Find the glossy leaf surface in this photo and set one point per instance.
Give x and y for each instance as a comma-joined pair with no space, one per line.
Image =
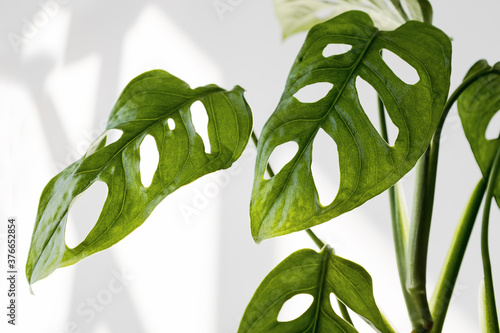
157,104
288,201
477,106
319,275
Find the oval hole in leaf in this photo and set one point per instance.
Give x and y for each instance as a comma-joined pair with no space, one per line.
295,307
325,167
401,68
336,49
281,155
149,160
334,303
368,99
113,135
199,117
493,129
313,92
171,124
84,212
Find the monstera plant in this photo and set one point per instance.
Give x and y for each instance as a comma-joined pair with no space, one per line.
159,104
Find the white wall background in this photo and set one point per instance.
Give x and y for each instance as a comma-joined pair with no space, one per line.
196,273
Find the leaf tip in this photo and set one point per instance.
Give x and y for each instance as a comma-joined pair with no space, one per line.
259,236
239,88
257,239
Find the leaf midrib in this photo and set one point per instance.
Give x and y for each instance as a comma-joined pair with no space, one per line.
156,121
321,121
211,90
175,177
321,284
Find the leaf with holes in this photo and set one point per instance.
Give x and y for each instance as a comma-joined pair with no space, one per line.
156,104
301,15
477,106
319,275
289,201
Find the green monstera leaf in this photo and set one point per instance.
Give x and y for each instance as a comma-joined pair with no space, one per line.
477,106
288,201
319,275
301,15
157,104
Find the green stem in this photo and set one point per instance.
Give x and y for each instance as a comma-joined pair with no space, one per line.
399,216
399,231
491,318
399,220
315,238
417,251
444,289
421,219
